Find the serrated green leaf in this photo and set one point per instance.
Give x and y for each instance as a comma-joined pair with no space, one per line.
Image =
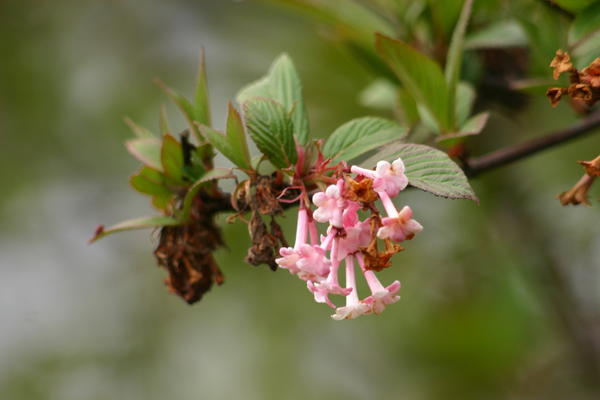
368,143
146,150
201,103
272,129
421,76
171,157
347,135
138,130
135,223
428,169
214,174
282,84
500,34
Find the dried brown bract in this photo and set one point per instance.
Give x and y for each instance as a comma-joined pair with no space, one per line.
584,90
592,168
578,194
185,251
361,191
561,63
264,243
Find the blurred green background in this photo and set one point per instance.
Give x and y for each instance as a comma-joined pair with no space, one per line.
481,316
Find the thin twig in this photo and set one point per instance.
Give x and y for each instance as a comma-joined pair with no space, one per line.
476,165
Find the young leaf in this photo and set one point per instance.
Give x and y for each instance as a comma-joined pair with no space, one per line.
150,181
584,35
379,94
171,157
164,120
236,136
574,5
428,169
146,150
282,84
186,108
138,130
421,76
473,126
348,134
201,104
272,129
136,223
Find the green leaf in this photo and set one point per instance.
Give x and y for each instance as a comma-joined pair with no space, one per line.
136,223
348,137
368,143
465,97
150,181
146,150
213,174
428,169
408,109
186,108
421,76
475,124
584,35
201,103
272,129
233,145
236,135
138,130
500,34
164,120
379,94
171,157
455,52
282,84
574,5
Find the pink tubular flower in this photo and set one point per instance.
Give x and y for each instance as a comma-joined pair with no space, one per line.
312,263
380,296
357,236
399,228
388,178
354,308
330,205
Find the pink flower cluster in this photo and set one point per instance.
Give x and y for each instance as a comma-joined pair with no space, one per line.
317,259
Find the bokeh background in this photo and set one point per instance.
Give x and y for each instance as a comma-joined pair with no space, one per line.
498,301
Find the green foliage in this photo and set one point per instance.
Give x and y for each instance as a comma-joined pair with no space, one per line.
233,144
500,34
428,169
138,130
171,158
584,35
282,84
574,5
201,104
152,182
421,76
146,150
135,223
193,190
272,129
360,135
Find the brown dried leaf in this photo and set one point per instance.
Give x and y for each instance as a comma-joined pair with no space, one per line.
555,94
591,74
361,191
579,193
592,168
581,92
561,63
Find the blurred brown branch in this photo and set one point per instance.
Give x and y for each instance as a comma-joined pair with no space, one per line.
476,165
